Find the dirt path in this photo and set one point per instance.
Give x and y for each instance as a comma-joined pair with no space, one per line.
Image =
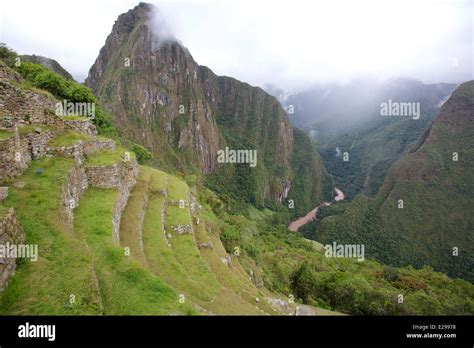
295,225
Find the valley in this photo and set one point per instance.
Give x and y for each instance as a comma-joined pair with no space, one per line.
295,225
141,193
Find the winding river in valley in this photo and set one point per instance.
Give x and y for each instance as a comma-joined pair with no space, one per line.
295,225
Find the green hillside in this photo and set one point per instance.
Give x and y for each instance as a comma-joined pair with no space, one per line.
437,192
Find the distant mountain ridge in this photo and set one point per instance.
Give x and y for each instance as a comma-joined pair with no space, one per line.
48,63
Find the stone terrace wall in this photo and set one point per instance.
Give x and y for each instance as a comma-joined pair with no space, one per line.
94,145
81,126
14,156
76,184
104,176
122,176
17,151
81,148
37,142
128,174
12,233
71,151
20,105
123,173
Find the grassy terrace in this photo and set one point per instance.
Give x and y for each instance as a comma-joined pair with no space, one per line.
68,138
30,128
160,258
130,233
75,118
126,286
3,210
107,158
63,267
180,263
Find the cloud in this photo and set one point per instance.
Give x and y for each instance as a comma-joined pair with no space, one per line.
286,43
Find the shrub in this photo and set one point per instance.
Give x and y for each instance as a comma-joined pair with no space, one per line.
51,82
303,282
80,93
29,70
7,55
143,154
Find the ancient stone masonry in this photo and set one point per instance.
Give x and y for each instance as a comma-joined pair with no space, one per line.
18,150
37,142
94,145
71,151
182,229
82,126
81,148
128,179
122,176
21,105
205,245
3,193
10,233
14,156
104,176
76,184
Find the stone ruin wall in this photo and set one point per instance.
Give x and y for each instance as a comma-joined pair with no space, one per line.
12,233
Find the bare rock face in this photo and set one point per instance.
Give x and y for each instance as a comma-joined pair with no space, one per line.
162,99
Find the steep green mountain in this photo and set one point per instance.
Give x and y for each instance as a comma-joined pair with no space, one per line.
116,238
435,183
48,63
184,114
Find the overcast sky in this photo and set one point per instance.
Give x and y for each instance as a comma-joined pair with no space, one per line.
286,43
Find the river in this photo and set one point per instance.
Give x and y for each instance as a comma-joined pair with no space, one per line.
295,225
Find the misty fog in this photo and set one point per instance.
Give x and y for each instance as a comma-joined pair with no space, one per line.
286,44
